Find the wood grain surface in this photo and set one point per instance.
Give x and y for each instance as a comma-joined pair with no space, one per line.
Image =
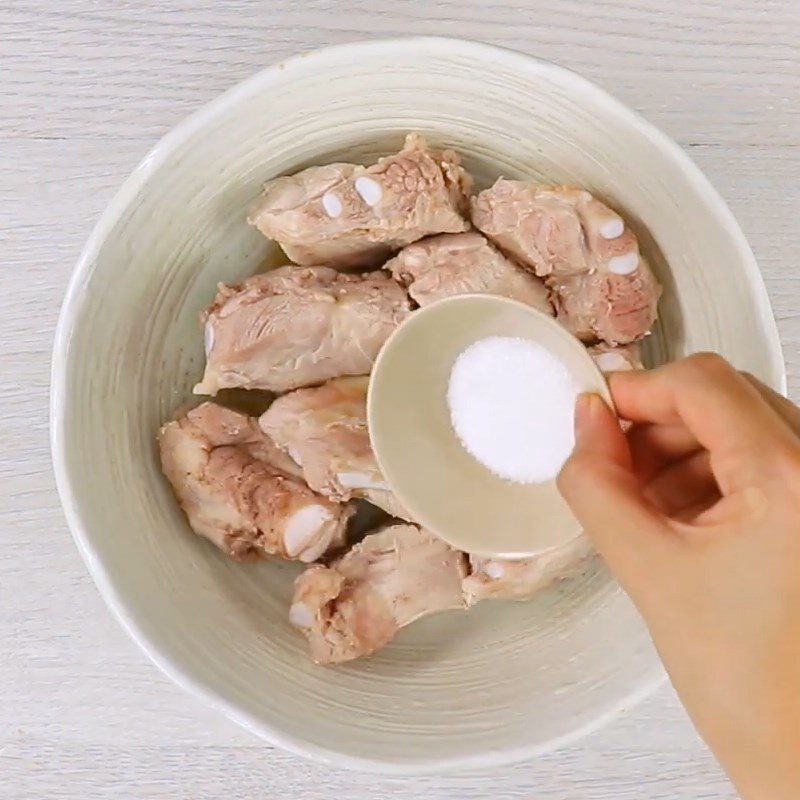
87,88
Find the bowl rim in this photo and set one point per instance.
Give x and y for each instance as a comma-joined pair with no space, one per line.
73,301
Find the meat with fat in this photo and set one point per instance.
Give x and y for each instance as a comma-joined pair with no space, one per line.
464,263
357,604
346,215
298,326
242,492
602,286
505,579
324,430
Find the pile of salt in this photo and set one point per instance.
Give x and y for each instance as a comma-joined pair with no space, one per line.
512,405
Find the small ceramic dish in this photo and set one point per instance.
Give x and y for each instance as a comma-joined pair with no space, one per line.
506,681
443,486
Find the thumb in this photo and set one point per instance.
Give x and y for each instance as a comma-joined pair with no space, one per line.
598,483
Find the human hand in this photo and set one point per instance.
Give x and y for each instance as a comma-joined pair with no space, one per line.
697,512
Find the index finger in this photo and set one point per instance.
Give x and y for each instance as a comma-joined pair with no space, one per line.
706,394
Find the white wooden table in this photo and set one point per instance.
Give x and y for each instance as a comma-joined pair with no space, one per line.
85,89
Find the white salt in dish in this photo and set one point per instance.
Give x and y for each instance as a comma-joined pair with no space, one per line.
512,405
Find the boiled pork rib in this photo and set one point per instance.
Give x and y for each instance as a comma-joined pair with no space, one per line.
324,430
345,215
521,579
238,489
297,326
357,604
464,263
617,359
602,286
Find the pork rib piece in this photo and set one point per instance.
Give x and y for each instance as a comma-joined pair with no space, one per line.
464,263
603,287
357,604
296,326
237,489
351,216
617,309
504,579
324,430
624,358
617,359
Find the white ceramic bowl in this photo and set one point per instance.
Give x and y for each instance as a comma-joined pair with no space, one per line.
505,682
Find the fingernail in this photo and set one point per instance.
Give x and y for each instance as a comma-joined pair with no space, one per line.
586,410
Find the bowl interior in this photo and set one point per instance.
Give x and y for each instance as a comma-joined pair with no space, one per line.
506,680
443,486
